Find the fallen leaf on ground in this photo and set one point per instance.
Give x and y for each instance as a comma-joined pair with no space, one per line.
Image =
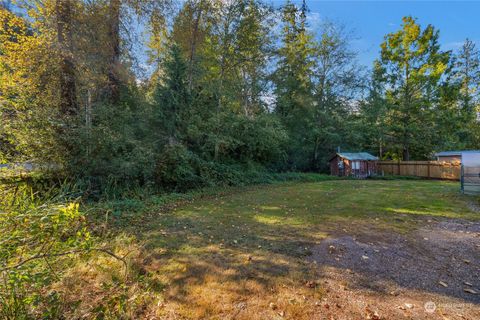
372,315
468,290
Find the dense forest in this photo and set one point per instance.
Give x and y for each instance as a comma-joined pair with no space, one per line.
196,93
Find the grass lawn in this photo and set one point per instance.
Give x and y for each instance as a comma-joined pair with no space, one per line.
244,255
269,216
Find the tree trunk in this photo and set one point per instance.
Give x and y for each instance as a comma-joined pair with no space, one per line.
406,115
193,45
114,60
315,154
406,153
68,94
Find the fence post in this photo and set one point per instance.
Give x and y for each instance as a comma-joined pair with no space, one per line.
398,167
461,179
428,169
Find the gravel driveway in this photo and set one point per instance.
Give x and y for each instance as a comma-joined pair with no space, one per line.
388,275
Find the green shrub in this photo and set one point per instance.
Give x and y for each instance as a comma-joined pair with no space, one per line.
175,169
36,236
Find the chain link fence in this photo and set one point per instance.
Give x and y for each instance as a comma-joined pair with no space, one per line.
470,180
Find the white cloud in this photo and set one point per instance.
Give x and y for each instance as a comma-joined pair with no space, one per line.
314,21
454,44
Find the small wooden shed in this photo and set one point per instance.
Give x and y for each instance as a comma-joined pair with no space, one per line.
357,164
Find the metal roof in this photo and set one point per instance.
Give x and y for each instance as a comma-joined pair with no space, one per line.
455,153
356,156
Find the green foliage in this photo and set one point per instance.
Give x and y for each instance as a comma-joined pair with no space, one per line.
238,138
181,170
198,145
35,235
421,99
114,148
172,99
413,67
294,85
225,92
176,168
133,207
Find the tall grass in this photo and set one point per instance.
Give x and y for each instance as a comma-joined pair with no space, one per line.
41,226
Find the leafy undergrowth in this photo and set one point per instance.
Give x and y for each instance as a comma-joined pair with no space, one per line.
233,253
63,257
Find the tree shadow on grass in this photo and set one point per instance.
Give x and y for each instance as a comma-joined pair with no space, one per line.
211,255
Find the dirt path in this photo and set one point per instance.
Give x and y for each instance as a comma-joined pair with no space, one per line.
391,276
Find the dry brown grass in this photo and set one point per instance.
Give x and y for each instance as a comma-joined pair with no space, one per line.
223,284
97,286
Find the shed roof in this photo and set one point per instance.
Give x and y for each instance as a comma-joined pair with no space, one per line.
454,153
355,156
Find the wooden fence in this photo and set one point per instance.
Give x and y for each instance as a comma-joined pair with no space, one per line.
425,169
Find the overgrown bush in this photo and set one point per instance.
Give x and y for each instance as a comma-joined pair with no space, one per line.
115,148
36,237
238,138
175,168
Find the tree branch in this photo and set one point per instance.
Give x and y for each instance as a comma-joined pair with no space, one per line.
52,255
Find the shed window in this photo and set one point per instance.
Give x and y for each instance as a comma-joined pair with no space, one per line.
356,165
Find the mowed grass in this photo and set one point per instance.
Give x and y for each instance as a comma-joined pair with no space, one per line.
244,254
262,214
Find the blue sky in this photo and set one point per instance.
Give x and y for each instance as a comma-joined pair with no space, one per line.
372,20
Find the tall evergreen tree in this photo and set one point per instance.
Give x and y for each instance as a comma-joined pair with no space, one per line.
414,66
373,114
293,81
172,97
462,92
467,74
